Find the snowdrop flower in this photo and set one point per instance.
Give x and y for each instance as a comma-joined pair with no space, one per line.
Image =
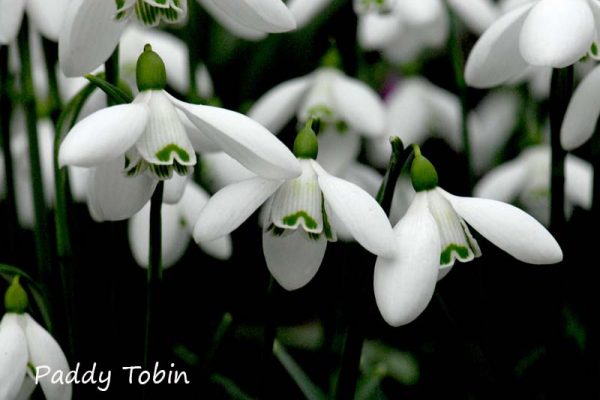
433,235
177,227
47,16
582,113
417,109
550,33
25,345
526,180
133,146
298,224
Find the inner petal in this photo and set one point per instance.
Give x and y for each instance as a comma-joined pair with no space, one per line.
457,241
152,12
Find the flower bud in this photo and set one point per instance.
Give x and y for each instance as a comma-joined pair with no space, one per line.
306,144
151,73
16,299
422,172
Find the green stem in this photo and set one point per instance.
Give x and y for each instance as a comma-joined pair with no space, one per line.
39,203
458,67
192,34
154,275
12,225
560,94
357,311
51,58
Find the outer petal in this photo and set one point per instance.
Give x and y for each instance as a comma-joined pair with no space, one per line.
405,284
244,139
113,196
174,188
13,356
505,182
408,115
579,176
27,389
219,170
231,206
496,58
48,16
478,15
293,258
337,150
231,24
419,12
193,201
277,107
305,10
104,135
359,212
358,105
175,236
262,15
583,111
376,31
11,15
557,33
44,350
509,228
89,35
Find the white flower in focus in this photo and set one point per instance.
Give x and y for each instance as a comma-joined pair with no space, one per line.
550,33
433,234
47,16
133,146
177,227
25,345
526,181
297,221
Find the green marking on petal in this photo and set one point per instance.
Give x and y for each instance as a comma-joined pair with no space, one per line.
313,236
326,227
320,111
341,126
446,256
594,49
292,219
165,153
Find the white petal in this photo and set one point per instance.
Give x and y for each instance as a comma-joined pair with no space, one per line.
509,228
200,142
557,33
579,176
262,15
337,149
231,206
219,170
103,136
408,114
231,24
89,35
377,31
175,237
244,139
305,10
79,182
174,188
420,12
503,183
112,196
358,105
193,201
444,108
13,356
496,57
361,214
48,16
27,388
293,258
277,107
11,15
44,350
478,15
405,284
582,113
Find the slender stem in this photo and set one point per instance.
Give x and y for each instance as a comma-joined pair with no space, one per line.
192,34
51,57
154,275
6,107
39,203
357,311
560,94
458,66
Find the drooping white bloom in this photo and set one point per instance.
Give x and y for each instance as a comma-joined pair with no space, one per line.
177,227
47,16
434,234
526,180
92,28
134,145
297,222
550,33
25,345
327,94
